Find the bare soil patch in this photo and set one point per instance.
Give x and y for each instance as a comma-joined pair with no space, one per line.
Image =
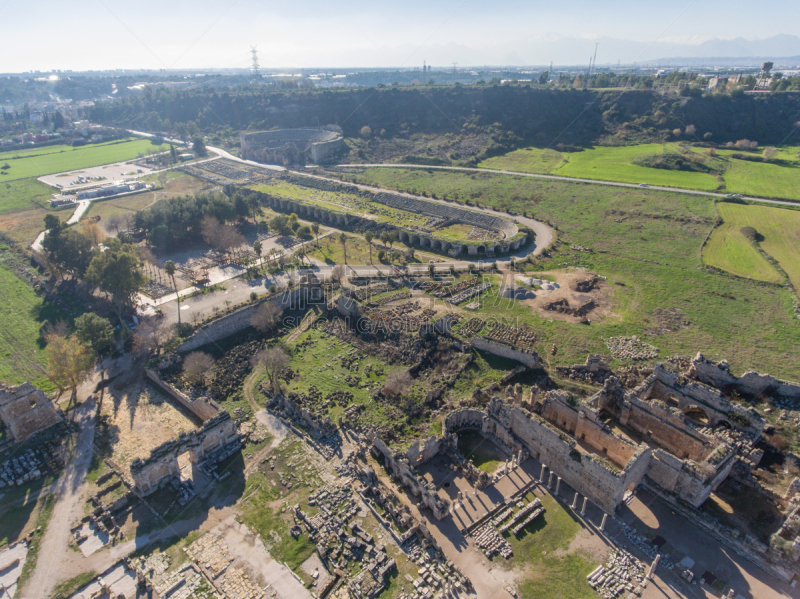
568,301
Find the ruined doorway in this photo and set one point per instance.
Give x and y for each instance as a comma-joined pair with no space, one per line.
696,413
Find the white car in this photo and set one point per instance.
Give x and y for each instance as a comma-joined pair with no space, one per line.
642,184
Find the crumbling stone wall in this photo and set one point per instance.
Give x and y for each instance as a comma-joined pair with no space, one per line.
400,467
162,463
204,409
529,358
590,475
236,321
718,374
26,410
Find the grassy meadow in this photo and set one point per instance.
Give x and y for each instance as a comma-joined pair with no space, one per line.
779,231
627,164
55,159
648,245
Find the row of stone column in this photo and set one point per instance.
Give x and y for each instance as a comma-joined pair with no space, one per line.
574,500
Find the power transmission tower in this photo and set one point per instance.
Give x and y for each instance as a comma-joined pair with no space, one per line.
256,69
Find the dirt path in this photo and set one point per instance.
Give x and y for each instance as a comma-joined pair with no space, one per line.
68,493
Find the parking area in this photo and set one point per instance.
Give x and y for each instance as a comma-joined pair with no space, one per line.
71,180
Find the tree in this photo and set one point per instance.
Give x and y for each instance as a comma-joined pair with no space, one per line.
770,152
91,230
69,362
274,361
315,229
96,332
369,237
266,317
337,273
280,224
257,249
198,368
173,155
365,131
58,121
543,77
343,240
151,335
115,222
169,268
300,253
68,249
116,272
397,383
199,146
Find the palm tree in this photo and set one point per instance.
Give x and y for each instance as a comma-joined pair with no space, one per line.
169,268
343,240
315,228
257,250
369,237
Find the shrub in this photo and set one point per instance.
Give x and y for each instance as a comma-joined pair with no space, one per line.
253,296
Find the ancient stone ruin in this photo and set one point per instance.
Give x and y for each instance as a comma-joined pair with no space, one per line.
26,410
212,442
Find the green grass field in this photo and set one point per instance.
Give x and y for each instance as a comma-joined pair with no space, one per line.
779,180
729,250
55,159
647,243
540,550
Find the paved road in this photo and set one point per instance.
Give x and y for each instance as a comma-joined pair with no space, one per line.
570,179
68,495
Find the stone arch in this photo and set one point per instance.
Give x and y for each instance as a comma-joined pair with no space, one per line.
158,473
463,250
498,249
403,236
436,244
673,400
425,242
445,246
413,240
697,413
481,249
725,424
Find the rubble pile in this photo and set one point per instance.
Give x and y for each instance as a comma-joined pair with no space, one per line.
630,348
471,327
490,541
232,369
621,573
21,469
185,582
523,517
450,289
647,547
392,297
521,337
562,306
341,542
436,574
469,293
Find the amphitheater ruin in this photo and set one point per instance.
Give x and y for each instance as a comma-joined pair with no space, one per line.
507,235
292,146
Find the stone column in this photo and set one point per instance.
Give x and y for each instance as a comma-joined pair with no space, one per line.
575,501
541,476
558,485
519,457
603,523
653,566
585,501
550,480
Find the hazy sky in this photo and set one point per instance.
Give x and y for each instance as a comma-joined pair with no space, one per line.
101,34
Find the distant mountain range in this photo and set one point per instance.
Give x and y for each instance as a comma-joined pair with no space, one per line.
783,49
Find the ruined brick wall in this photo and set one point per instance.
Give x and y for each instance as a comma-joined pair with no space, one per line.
200,407
232,323
718,374
530,359
603,485
26,410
